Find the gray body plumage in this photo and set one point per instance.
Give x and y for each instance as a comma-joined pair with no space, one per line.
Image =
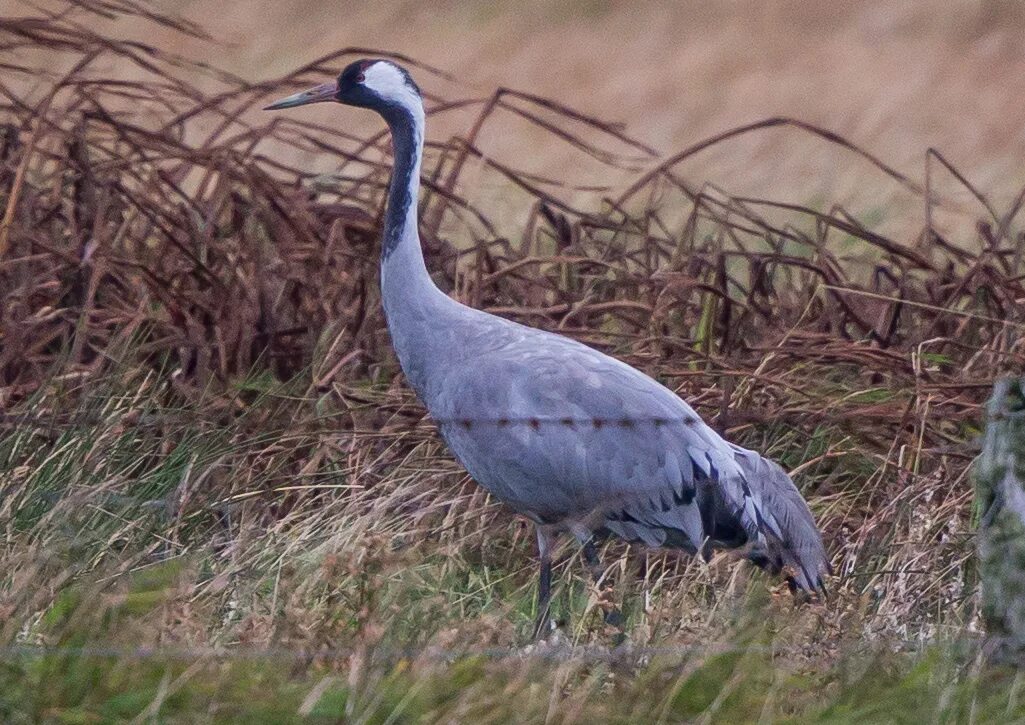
578,440
564,434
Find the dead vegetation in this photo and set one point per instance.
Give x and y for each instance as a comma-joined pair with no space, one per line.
190,322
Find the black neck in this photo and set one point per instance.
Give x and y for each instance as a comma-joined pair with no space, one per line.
402,192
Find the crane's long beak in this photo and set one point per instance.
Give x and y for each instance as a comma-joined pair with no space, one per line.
319,94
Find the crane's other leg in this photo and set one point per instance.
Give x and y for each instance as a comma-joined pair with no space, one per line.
613,617
545,539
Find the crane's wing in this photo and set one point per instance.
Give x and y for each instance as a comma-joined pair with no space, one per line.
564,433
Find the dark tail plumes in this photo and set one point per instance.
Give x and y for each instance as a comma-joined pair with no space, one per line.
749,503
789,540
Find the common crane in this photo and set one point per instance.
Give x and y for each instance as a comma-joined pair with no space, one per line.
571,438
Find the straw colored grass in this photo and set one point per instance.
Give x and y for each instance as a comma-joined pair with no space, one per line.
207,451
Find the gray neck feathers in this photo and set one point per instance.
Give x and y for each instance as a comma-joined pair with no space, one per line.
413,305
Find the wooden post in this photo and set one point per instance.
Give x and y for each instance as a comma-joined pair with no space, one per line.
1000,493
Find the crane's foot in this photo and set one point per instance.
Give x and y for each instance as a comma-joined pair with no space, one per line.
612,616
542,628
615,618
610,612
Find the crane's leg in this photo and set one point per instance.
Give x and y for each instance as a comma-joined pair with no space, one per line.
613,617
545,539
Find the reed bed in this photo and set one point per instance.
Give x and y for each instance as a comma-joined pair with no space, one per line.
206,446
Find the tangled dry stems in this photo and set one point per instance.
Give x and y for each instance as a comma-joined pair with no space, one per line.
190,325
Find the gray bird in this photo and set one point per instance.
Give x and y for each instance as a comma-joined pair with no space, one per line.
567,436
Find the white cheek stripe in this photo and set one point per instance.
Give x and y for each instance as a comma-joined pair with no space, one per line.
387,81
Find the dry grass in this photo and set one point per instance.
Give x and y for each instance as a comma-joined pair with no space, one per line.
198,388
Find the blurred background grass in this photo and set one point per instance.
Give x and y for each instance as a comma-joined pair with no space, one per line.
897,77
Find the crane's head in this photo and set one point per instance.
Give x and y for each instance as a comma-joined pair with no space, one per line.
377,84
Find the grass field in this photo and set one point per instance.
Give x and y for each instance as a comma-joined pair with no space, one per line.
219,501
